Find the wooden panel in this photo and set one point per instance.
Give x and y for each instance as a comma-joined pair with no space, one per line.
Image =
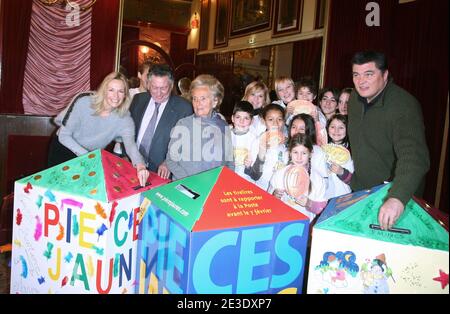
23,125
26,154
6,219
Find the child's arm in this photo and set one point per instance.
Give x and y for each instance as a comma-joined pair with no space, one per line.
278,193
346,176
255,171
276,187
314,207
316,201
342,173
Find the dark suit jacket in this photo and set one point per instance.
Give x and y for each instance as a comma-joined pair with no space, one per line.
176,108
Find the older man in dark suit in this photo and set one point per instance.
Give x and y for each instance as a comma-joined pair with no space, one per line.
155,113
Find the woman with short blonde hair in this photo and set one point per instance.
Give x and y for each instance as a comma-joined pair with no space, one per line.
257,94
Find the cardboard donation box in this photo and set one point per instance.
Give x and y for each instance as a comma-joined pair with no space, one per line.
215,232
75,227
351,254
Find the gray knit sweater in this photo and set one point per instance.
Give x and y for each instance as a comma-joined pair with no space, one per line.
388,142
199,144
84,131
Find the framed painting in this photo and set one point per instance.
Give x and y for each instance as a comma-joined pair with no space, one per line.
221,28
319,20
288,17
250,16
204,24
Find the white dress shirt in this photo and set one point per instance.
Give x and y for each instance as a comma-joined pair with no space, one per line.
148,116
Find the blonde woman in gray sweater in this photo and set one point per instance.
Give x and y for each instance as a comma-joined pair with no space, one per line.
94,121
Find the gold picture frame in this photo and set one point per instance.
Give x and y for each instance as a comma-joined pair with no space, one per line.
288,17
221,29
250,16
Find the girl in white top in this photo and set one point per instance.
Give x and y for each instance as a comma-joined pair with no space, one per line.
340,176
242,138
272,153
306,90
328,102
257,94
304,124
311,204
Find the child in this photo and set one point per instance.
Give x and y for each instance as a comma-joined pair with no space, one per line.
306,90
343,100
304,124
312,204
257,94
242,137
328,102
285,89
271,153
340,176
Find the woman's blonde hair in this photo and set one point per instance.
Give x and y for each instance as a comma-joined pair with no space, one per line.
283,79
213,84
99,96
254,87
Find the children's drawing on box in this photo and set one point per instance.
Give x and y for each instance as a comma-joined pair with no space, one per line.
375,275
112,213
335,267
130,220
50,196
100,210
75,226
18,217
90,266
39,201
38,229
24,272
68,257
27,188
101,230
48,252
61,232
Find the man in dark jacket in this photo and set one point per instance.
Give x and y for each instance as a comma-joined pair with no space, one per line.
155,113
387,135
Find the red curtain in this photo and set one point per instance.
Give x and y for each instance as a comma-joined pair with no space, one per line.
420,51
306,58
414,37
348,33
15,29
105,17
58,60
